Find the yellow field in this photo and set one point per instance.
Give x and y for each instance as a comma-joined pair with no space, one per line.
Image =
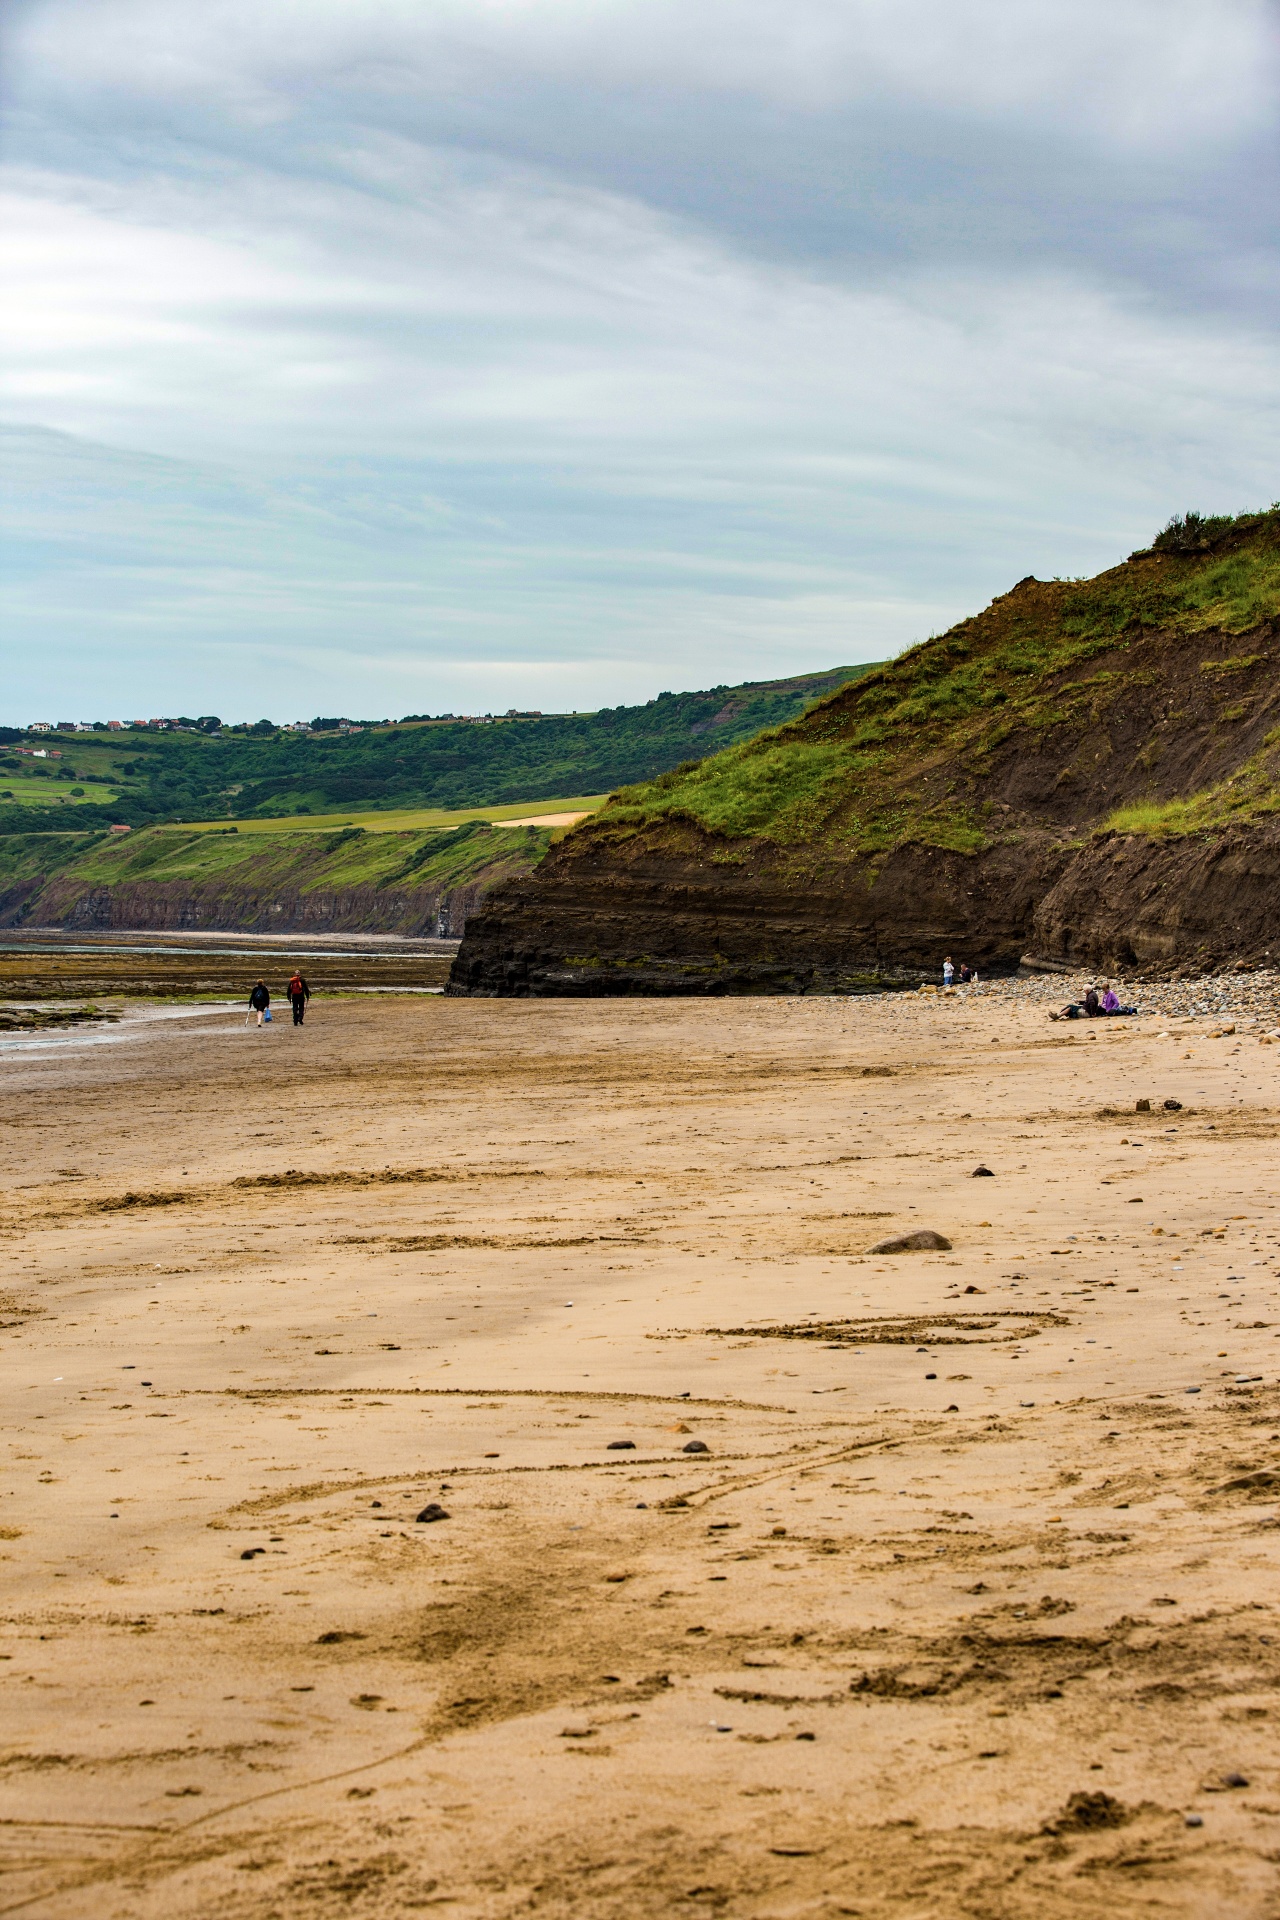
408,818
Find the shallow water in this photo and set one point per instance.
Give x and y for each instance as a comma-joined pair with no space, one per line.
236,944
130,1026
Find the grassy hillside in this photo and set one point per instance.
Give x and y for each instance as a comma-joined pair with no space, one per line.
38,856
904,754
235,879
145,777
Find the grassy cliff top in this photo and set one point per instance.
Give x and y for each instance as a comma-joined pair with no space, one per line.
256,862
923,748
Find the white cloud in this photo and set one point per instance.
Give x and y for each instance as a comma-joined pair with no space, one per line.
409,342
1151,70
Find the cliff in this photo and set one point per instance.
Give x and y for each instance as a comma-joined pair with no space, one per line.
286,882
1087,770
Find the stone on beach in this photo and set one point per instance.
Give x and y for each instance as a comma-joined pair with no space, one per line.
923,1240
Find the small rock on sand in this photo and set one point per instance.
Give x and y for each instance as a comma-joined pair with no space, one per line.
433,1511
923,1240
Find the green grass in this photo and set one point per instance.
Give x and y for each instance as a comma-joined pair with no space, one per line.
34,792
406,819
34,856
1155,818
1252,792
307,862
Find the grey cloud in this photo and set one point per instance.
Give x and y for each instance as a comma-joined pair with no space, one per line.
603,345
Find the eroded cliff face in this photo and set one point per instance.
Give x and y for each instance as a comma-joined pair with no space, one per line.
157,905
680,923
1124,905
1201,901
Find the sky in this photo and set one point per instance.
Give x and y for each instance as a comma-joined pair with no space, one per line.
452,355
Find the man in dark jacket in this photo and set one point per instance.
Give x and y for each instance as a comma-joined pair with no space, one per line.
260,1000
299,993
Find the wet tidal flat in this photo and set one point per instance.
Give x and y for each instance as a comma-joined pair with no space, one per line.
760,1572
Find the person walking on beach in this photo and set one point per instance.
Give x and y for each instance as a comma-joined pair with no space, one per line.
260,1000
299,993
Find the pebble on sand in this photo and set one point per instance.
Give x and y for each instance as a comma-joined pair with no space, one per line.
695,1446
923,1240
433,1511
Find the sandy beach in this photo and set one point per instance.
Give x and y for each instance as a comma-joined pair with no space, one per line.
998,1525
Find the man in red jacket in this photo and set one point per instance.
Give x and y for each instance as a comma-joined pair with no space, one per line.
299,993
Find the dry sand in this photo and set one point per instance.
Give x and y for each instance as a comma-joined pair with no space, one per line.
981,1549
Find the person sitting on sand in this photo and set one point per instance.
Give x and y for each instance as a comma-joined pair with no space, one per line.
1091,1003
1110,998
966,974
260,1000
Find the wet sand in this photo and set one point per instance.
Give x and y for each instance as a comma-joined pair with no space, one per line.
47,964
996,1527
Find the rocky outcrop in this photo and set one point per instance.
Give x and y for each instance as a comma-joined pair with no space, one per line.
157,905
1198,902
660,924
1122,905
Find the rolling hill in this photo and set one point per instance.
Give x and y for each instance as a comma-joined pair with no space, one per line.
143,777
1089,769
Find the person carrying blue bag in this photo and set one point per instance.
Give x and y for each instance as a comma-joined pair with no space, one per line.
259,1003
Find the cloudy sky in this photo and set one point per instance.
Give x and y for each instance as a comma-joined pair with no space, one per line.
458,354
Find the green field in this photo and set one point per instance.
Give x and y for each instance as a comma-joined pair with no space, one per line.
15,791
405,819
